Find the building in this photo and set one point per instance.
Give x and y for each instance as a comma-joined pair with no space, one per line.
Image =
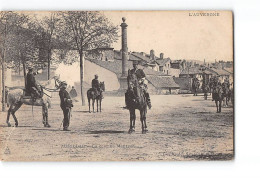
111,71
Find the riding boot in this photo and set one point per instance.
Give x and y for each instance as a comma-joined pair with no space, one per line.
126,100
148,100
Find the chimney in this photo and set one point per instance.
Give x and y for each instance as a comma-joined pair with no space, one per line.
124,47
161,55
152,55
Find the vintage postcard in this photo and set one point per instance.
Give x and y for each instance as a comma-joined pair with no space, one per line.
116,85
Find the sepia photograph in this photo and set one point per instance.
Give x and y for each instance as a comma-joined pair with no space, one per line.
117,85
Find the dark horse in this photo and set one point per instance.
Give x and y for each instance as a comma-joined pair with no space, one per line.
195,86
96,96
217,96
135,99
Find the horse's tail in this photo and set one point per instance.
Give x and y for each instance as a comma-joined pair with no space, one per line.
14,96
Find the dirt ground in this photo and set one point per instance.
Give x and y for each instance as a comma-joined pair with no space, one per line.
180,127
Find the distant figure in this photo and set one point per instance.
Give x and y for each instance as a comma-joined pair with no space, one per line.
205,88
73,92
66,105
195,86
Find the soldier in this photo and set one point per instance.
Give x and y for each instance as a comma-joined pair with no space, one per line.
142,81
31,85
66,105
205,88
95,85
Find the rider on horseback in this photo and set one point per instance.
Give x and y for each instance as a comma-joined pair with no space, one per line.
32,88
142,81
95,85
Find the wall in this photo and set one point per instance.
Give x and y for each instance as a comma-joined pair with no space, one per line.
184,83
174,72
110,78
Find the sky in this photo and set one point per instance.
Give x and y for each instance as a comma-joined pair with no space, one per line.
177,34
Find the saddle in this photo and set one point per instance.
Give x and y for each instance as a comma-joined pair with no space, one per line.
33,94
96,91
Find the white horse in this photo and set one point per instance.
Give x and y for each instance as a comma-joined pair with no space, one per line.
16,98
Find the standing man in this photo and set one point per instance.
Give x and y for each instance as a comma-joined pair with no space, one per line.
66,105
142,81
95,85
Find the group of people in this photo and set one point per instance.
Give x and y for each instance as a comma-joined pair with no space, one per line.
213,85
34,90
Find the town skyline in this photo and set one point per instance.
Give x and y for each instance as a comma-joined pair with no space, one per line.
181,36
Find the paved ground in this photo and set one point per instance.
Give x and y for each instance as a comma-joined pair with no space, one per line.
181,127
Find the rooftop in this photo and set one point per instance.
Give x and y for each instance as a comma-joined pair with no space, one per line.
162,81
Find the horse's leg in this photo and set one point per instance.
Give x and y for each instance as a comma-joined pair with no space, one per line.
89,105
132,121
220,106
97,103
100,104
93,104
216,101
16,107
45,115
144,119
8,115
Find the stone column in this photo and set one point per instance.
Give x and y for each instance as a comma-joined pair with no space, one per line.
124,48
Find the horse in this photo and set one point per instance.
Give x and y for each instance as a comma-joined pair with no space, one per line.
206,89
195,87
96,96
217,96
226,94
135,99
16,98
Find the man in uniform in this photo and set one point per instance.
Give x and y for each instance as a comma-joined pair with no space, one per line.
31,85
142,81
95,85
66,105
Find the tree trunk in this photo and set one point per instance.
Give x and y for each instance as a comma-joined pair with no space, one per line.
81,79
49,64
19,64
24,72
3,83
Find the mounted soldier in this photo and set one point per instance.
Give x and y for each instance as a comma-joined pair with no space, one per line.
195,86
142,81
32,88
95,85
205,88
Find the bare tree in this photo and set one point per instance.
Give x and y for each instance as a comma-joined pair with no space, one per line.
9,23
86,31
46,30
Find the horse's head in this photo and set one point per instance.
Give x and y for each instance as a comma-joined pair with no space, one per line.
102,85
